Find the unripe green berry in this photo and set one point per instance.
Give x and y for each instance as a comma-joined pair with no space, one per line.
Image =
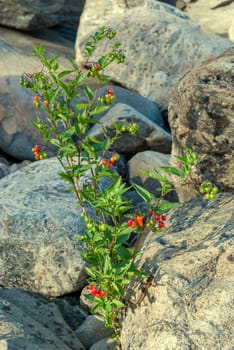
215,190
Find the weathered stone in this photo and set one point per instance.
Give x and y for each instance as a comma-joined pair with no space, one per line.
213,15
149,136
39,223
201,117
105,344
4,169
143,105
31,321
72,312
190,302
17,134
92,330
39,14
161,43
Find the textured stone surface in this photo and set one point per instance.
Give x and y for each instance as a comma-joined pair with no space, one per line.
39,222
161,42
92,330
143,105
149,136
105,344
28,15
213,15
201,117
190,303
30,321
17,134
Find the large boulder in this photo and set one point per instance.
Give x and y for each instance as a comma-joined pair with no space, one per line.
39,224
33,322
189,302
149,136
17,134
201,117
213,15
39,14
161,42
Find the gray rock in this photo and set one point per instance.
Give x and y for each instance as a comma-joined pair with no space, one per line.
213,15
105,344
190,302
149,136
92,330
201,117
37,15
39,223
30,321
17,134
71,311
161,42
4,169
143,105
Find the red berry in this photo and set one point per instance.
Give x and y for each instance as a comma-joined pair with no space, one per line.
157,217
104,162
110,91
112,160
97,66
130,222
163,218
36,149
161,224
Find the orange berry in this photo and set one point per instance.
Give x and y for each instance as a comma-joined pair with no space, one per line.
37,155
139,220
46,103
36,98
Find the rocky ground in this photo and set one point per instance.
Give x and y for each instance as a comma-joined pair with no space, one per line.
178,85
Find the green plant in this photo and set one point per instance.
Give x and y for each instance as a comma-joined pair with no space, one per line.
86,163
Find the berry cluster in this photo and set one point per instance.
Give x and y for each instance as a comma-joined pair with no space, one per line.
109,163
93,68
37,153
160,220
108,98
208,189
36,101
96,292
135,222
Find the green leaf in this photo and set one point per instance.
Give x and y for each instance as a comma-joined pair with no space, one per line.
81,106
143,193
117,304
98,109
55,142
88,92
171,170
64,87
163,207
65,72
66,177
90,272
123,252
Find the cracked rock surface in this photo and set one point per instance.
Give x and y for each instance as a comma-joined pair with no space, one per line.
190,303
